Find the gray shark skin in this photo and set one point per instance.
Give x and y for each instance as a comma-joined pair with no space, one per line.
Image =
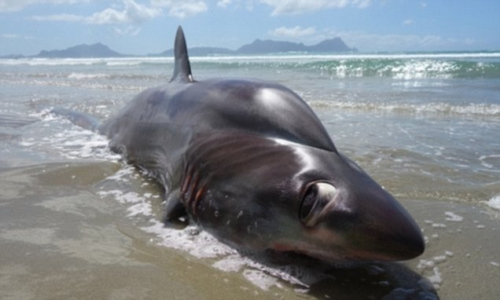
251,163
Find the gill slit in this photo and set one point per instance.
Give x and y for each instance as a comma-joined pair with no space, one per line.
193,187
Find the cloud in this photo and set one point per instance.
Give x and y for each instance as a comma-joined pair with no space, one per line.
13,36
129,30
131,13
17,5
293,32
224,3
181,8
408,22
238,4
10,36
395,42
295,7
59,18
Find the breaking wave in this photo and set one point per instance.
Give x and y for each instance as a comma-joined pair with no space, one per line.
474,110
398,66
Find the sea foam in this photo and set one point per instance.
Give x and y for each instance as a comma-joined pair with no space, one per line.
494,202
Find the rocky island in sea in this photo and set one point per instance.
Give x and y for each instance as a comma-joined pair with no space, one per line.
270,46
97,50
100,50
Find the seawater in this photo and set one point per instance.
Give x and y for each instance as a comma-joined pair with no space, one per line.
424,125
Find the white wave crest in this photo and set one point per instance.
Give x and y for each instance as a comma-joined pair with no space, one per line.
483,109
79,76
297,58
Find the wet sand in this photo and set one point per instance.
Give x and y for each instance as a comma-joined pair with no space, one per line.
64,235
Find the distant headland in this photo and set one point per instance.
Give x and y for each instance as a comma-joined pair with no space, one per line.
99,50
269,47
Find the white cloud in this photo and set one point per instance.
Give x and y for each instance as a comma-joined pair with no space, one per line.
10,36
395,42
133,13
13,36
293,32
224,3
408,22
294,7
181,8
61,17
16,5
236,4
129,30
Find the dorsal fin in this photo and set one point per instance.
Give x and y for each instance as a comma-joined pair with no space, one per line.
182,71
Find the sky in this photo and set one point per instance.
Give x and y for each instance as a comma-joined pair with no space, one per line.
142,27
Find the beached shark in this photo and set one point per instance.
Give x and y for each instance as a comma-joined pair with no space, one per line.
250,162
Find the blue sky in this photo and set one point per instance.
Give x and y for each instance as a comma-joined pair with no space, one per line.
141,27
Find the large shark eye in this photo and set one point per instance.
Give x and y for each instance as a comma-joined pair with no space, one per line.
316,197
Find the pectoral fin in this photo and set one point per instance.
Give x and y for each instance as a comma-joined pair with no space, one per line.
174,207
78,118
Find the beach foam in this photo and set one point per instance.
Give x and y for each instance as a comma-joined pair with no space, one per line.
451,216
79,76
198,243
494,202
430,267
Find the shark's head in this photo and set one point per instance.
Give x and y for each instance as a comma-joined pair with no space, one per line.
289,197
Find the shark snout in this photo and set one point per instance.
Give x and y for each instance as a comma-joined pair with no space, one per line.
363,223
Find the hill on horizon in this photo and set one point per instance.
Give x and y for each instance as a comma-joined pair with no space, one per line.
271,46
99,50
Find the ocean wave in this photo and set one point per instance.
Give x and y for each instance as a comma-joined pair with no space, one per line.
132,61
70,142
397,66
88,76
49,62
407,69
481,110
112,76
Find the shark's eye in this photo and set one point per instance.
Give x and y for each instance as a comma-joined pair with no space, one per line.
308,203
316,197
